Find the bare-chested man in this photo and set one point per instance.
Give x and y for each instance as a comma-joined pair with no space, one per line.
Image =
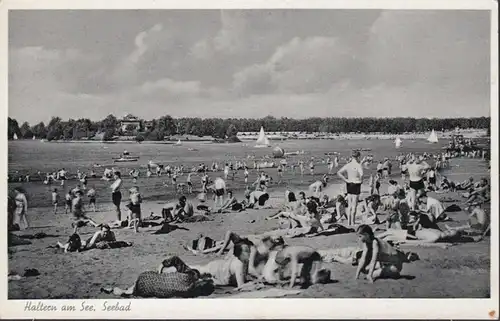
352,174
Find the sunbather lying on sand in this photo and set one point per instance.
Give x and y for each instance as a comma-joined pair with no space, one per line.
311,220
424,231
102,239
259,251
172,279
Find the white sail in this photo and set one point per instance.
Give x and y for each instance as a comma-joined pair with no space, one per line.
398,142
433,137
15,136
262,141
34,138
179,143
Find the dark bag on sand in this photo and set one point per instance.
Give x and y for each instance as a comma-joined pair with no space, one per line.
170,285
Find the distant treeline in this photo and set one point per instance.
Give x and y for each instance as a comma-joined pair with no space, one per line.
157,129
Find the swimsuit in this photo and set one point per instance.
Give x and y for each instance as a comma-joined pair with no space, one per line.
417,185
353,188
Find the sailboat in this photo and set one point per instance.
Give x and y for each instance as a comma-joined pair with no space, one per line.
432,137
34,138
179,143
398,142
262,141
15,136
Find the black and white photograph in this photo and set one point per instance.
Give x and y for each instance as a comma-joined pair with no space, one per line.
249,152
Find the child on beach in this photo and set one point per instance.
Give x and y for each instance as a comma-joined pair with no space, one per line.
134,207
67,205
55,199
91,194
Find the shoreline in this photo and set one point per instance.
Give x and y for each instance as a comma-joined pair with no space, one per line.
477,133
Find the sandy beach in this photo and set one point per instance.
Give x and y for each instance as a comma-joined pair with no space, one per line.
461,270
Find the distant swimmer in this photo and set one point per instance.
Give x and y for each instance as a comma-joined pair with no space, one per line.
352,174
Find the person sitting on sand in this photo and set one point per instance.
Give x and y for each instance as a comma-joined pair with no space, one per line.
379,259
446,185
102,239
183,209
172,279
399,210
74,243
257,197
393,187
433,207
479,193
310,273
232,204
317,187
134,207
368,207
465,185
478,222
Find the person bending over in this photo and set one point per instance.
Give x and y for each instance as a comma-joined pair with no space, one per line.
379,258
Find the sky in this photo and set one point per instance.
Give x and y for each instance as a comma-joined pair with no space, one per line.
248,63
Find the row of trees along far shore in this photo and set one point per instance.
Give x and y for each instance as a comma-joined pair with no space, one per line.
158,129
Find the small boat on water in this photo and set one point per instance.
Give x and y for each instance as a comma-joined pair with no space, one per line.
126,156
125,159
179,143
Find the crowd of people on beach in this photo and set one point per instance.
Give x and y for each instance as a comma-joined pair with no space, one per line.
412,216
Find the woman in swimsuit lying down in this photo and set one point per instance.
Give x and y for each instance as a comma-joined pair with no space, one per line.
259,250
166,281
422,232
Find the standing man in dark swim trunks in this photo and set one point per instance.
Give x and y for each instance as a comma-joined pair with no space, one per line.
416,171
352,174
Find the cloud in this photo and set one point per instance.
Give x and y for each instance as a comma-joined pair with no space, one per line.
249,63
300,66
141,43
